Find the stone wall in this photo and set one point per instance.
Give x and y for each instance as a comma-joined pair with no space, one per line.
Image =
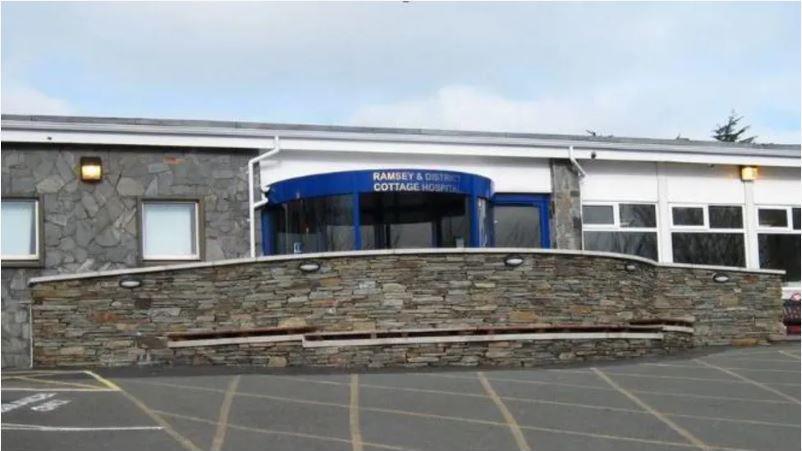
566,219
93,321
93,226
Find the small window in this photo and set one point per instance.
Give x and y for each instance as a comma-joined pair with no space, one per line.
688,216
772,217
795,218
170,230
20,234
637,215
597,214
725,217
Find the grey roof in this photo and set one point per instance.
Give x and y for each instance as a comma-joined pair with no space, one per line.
421,132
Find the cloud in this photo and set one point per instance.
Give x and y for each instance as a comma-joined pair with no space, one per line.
21,99
623,109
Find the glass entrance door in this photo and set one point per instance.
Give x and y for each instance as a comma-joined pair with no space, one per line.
520,220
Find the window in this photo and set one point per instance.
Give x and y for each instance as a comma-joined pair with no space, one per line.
170,230
624,228
778,241
708,235
688,216
516,226
413,220
20,229
317,224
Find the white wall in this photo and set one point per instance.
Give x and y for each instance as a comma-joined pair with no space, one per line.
778,186
619,181
515,175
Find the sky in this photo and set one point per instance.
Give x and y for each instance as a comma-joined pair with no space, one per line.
657,70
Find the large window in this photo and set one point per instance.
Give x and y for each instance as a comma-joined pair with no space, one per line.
516,226
778,240
413,220
170,230
708,234
317,224
20,229
625,228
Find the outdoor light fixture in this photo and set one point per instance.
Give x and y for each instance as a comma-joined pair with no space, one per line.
720,277
513,260
129,282
309,266
748,173
630,267
91,169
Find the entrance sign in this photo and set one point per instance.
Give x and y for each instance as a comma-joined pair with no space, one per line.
427,181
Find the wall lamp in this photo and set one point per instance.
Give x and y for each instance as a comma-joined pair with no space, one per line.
748,173
130,282
720,277
513,260
309,266
91,169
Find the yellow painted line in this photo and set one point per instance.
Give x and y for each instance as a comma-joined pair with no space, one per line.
680,430
408,413
183,441
111,385
751,381
509,418
353,411
276,432
225,411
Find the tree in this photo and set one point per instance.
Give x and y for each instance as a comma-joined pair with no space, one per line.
730,132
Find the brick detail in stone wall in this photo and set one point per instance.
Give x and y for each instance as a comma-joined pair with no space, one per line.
93,321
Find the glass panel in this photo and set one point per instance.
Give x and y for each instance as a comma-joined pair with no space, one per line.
516,226
637,215
772,217
414,220
722,249
688,216
19,228
795,218
319,224
725,217
643,244
597,214
780,251
169,229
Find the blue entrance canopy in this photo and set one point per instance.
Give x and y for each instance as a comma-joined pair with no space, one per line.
380,180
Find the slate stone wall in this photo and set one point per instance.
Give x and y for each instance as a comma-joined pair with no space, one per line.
91,227
93,321
566,211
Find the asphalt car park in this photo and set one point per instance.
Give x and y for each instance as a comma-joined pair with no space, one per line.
727,398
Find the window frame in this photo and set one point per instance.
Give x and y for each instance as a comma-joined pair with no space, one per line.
38,259
616,225
789,219
769,230
705,228
200,229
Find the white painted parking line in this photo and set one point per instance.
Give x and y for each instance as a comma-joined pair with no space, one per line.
51,405
751,381
44,428
789,354
8,407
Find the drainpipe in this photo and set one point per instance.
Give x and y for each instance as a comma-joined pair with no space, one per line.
575,163
275,150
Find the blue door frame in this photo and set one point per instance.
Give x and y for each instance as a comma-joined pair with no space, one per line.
539,201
